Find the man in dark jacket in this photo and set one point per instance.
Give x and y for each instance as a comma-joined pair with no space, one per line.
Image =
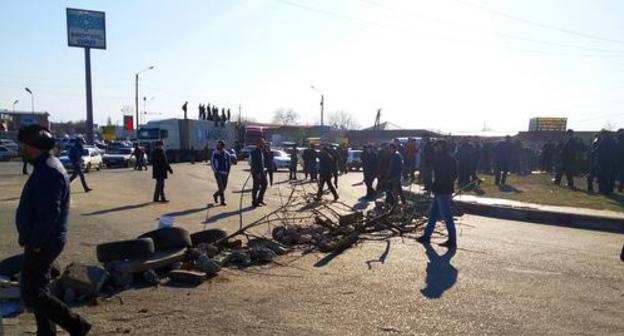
619,174
221,163
268,162
606,163
307,159
335,155
258,174
139,155
294,160
395,172
75,155
327,167
465,159
426,163
41,221
592,162
369,164
160,167
445,173
502,160
567,160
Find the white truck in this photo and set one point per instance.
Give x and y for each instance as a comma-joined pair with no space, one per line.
185,137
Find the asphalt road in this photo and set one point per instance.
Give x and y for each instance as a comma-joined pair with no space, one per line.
507,278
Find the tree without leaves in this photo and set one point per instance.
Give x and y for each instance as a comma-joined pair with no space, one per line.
342,120
285,117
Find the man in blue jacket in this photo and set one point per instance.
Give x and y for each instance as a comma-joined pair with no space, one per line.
258,174
75,155
41,221
220,162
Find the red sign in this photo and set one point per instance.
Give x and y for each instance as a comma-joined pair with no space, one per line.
128,123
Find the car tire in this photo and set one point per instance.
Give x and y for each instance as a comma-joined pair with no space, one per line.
126,249
207,236
169,238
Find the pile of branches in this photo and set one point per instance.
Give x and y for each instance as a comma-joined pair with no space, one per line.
307,223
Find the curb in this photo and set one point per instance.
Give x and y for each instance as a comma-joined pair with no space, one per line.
579,221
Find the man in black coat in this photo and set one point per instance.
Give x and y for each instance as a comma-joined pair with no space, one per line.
258,174
268,162
592,162
327,168
369,165
294,161
41,221
426,163
445,173
567,163
606,163
160,167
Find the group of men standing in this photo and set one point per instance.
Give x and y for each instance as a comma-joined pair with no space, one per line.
211,113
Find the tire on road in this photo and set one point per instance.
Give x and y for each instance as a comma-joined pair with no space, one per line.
126,249
207,236
169,238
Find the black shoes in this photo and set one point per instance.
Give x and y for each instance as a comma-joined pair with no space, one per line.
215,198
448,244
423,240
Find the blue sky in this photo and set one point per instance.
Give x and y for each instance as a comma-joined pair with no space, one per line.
442,64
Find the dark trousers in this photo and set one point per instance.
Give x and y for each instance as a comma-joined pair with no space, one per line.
326,179
500,172
368,180
34,281
394,191
159,191
78,172
311,170
569,174
270,174
591,176
259,188
25,168
335,174
222,181
427,177
292,175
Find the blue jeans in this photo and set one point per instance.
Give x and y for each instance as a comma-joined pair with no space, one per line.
441,208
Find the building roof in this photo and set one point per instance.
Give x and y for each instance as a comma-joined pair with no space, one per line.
5,111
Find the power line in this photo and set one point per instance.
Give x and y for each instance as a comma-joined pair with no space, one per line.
485,31
537,23
436,36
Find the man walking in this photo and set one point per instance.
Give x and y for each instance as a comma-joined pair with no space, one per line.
502,161
393,184
426,163
294,160
220,162
41,221
139,155
369,164
160,167
258,174
75,155
445,173
268,162
567,163
326,170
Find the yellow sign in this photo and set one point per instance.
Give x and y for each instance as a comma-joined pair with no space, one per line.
109,132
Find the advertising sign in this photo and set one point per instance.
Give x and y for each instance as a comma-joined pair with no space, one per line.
86,29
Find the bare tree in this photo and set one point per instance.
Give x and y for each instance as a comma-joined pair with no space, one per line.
285,117
342,120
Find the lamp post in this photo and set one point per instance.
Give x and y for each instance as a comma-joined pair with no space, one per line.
15,103
32,99
322,102
136,93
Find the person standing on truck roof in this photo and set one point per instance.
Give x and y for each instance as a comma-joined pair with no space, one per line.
221,164
41,221
258,174
160,167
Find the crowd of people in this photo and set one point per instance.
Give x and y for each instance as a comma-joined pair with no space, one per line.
211,113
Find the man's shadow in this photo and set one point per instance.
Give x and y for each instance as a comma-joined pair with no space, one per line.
441,275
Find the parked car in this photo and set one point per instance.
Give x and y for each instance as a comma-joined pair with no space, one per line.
7,154
91,159
10,145
354,159
281,159
121,157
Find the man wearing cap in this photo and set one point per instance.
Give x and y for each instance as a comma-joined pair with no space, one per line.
75,155
41,221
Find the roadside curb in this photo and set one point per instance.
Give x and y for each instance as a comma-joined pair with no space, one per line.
580,221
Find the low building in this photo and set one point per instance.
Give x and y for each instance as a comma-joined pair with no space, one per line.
13,121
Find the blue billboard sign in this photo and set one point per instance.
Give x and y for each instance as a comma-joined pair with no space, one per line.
86,29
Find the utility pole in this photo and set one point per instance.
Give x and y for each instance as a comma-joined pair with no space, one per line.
322,108
136,99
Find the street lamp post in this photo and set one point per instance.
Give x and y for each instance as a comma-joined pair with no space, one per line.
15,103
322,102
136,93
32,99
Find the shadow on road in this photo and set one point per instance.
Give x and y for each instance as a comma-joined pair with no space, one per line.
382,257
441,275
224,215
186,212
9,199
121,208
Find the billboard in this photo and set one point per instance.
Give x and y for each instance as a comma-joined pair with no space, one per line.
86,29
128,123
548,124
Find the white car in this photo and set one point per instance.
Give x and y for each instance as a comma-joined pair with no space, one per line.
91,159
7,154
281,159
121,157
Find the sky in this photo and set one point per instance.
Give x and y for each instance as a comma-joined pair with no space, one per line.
449,65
